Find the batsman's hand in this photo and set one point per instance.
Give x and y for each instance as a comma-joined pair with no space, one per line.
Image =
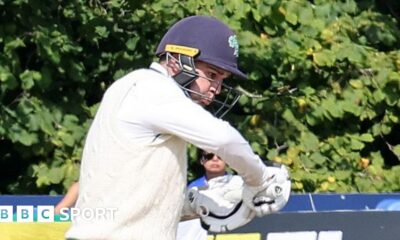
272,195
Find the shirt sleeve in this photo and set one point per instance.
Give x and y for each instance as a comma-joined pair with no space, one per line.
166,110
197,126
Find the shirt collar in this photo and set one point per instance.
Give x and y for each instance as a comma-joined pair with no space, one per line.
159,68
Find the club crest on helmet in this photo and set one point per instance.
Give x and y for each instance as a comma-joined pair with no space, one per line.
233,43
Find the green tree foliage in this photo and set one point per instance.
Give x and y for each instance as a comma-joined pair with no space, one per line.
323,94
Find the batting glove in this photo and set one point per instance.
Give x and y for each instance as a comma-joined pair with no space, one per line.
272,195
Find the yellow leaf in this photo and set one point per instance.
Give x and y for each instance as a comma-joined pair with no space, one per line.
357,84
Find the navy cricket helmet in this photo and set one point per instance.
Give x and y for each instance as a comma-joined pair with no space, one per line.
206,39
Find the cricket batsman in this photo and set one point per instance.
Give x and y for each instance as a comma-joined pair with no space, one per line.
134,158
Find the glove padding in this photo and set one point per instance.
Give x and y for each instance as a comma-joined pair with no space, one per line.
220,206
272,195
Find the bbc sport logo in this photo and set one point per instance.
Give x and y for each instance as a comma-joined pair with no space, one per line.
27,213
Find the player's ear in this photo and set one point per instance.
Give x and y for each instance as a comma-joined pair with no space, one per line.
173,65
